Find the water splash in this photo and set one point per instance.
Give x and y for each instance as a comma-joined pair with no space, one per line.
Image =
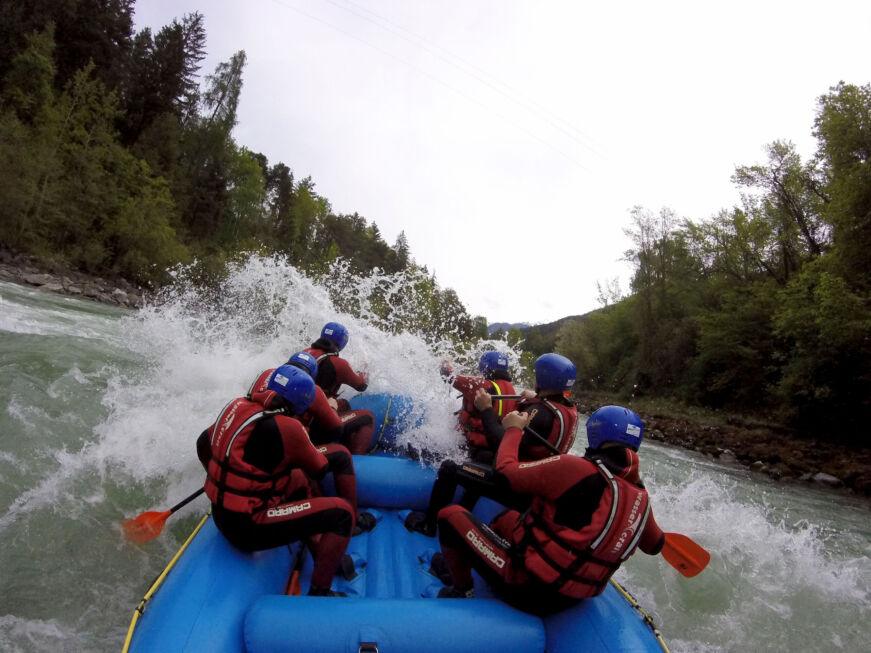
18,634
765,571
196,348
102,427
204,346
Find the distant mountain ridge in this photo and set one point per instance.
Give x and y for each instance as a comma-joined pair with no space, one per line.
506,326
539,338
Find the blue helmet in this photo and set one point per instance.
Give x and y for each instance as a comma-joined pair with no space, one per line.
335,333
293,385
304,361
615,424
554,372
493,361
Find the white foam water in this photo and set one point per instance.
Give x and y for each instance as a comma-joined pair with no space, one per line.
773,572
101,409
205,347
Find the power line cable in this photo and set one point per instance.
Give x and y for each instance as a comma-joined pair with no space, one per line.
511,93
432,77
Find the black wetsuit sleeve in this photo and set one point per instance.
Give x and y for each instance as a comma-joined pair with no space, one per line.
204,449
493,429
322,435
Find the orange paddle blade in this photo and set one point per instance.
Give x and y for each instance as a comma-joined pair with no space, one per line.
685,555
146,526
293,586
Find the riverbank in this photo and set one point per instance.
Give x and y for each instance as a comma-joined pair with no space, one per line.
764,448
27,270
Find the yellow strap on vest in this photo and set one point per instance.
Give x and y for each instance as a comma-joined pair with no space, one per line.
498,394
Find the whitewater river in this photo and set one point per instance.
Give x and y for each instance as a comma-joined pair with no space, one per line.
100,409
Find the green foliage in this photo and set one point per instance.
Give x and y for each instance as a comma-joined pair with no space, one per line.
28,151
843,127
785,206
602,346
764,307
114,161
827,368
143,244
245,196
28,85
160,76
223,90
737,361
542,338
666,287
86,31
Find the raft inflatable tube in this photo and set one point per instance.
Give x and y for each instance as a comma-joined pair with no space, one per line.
394,414
213,597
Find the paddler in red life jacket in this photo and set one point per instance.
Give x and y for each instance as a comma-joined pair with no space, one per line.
496,381
353,428
254,455
555,421
556,417
333,370
587,515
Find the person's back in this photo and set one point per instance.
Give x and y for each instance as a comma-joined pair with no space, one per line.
495,379
320,419
329,419
253,453
333,370
587,515
556,418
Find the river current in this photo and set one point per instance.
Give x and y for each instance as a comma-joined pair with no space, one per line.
100,409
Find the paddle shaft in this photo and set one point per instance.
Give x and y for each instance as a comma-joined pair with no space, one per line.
181,504
545,442
500,397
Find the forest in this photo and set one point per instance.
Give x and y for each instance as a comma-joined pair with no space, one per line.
764,308
117,157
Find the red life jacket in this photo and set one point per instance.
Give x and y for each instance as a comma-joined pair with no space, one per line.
259,391
230,481
326,376
579,562
469,417
562,430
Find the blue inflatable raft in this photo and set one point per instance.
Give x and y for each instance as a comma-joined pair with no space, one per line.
212,597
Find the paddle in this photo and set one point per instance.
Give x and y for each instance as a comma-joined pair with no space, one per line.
684,555
501,397
145,527
544,440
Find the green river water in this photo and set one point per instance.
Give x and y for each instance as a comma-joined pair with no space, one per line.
100,408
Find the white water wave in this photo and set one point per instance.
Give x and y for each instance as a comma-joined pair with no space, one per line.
33,312
764,572
18,635
769,580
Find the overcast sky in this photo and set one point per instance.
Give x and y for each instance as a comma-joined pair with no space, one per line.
510,139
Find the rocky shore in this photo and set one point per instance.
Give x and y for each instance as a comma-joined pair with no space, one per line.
763,448
24,269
